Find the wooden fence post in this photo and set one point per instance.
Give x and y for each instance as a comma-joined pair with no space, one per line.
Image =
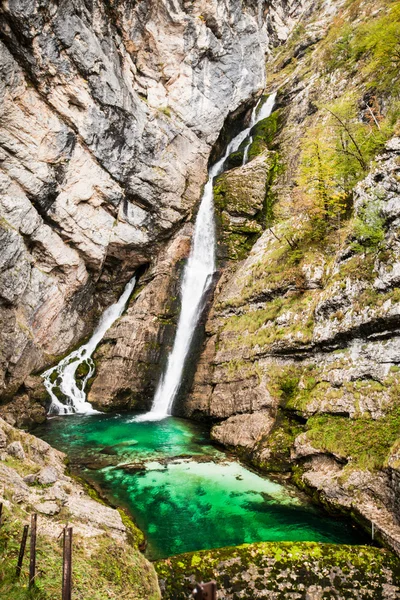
32,563
205,591
67,564
22,550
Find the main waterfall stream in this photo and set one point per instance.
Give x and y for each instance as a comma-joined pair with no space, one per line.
183,492
198,274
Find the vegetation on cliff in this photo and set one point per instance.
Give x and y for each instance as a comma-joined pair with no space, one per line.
307,323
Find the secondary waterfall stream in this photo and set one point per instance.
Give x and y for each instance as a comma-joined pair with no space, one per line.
198,274
63,375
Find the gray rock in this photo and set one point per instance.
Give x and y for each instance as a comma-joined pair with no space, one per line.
47,508
31,478
47,476
16,450
3,439
243,430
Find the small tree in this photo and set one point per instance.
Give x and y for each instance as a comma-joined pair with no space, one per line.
319,194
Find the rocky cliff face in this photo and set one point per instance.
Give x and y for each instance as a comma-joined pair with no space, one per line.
299,370
132,356
108,113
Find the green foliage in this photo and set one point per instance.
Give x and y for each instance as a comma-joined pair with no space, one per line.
369,228
372,47
364,442
335,155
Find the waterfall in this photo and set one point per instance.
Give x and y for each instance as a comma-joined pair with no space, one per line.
63,375
265,111
197,278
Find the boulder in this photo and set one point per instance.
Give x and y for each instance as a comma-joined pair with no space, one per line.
47,476
16,450
245,431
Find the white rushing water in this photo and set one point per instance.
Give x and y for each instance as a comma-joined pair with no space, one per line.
63,375
265,111
197,277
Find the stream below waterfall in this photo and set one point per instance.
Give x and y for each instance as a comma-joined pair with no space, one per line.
184,493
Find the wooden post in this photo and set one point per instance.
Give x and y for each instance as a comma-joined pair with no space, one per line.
205,591
32,563
22,550
1,514
67,564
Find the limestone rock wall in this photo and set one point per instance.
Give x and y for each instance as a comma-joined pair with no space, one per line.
108,111
299,369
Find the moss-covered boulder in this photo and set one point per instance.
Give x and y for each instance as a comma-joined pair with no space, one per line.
241,196
285,570
264,134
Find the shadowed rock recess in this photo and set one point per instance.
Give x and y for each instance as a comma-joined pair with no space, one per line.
109,114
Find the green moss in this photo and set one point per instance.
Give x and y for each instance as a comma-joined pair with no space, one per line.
364,442
264,134
267,216
83,370
260,327
136,536
165,110
339,570
234,160
279,444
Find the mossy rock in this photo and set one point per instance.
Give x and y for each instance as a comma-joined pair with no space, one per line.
83,370
240,197
264,134
234,160
279,444
284,570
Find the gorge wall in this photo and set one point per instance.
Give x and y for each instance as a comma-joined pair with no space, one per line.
108,114
299,370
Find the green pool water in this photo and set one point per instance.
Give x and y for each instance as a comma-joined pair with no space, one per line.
182,492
